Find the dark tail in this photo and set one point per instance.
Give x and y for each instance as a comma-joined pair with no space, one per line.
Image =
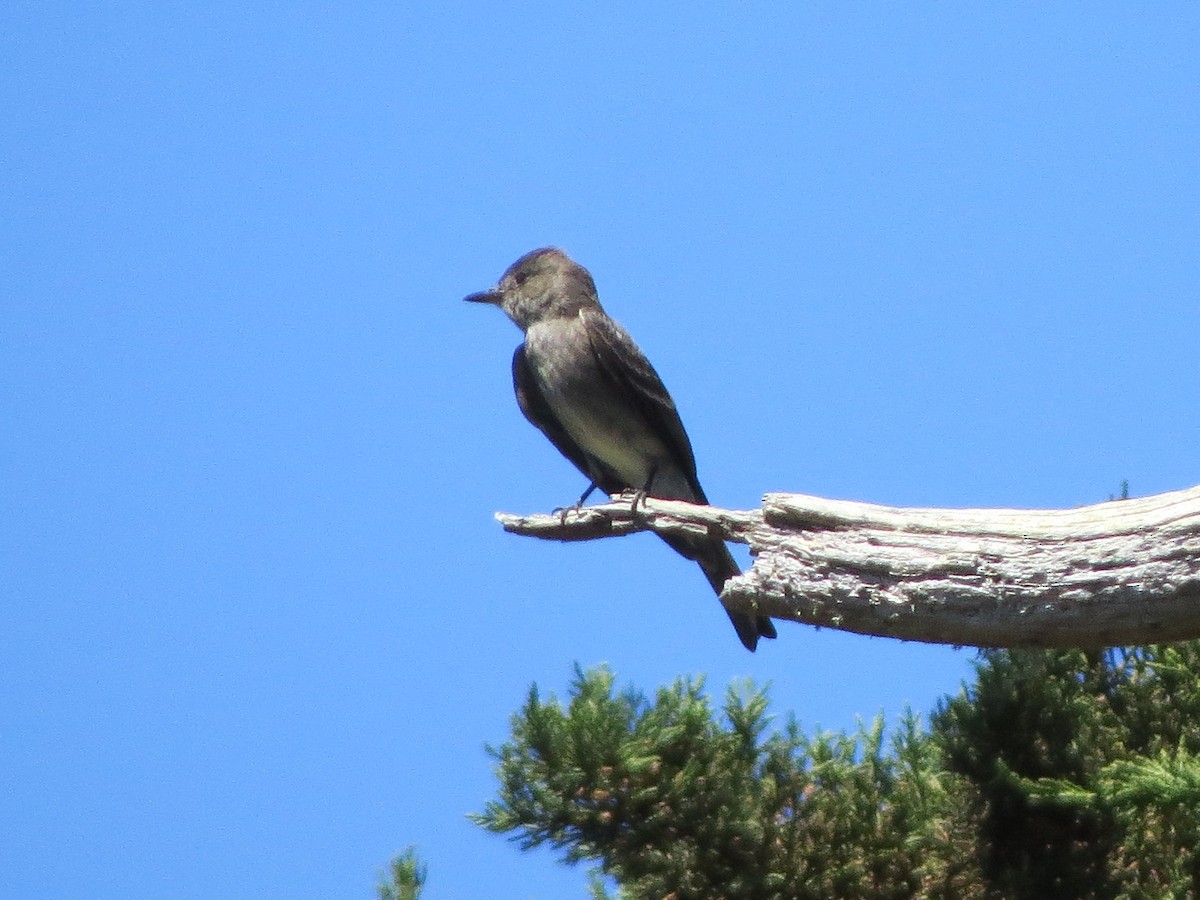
718,565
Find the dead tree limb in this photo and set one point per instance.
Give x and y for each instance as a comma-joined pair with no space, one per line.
1117,573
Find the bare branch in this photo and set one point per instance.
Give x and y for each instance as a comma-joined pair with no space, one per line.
1122,572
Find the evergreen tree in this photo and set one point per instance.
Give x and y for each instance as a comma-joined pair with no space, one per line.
1083,770
1035,718
1055,774
406,879
673,801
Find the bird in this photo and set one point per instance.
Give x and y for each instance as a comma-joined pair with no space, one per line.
583,382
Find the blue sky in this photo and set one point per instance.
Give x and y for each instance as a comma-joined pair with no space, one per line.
257,622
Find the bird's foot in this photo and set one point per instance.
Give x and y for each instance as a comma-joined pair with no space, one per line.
644,492
563,511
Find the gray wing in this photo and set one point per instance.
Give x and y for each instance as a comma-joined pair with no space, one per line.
634,377
643,390
535,408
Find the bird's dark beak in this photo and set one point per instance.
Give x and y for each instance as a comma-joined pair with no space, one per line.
492,297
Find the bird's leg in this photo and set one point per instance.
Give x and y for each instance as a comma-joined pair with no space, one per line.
639,496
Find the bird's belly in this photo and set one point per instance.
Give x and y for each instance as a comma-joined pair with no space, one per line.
597,416
623,446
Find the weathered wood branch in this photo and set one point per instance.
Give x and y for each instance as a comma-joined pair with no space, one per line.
1122,572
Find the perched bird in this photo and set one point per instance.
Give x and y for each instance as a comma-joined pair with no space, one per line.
584,383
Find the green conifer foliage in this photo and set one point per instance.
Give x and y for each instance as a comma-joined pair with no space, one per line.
673,800
1055,774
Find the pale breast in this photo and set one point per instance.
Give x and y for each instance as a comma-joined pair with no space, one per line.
590,408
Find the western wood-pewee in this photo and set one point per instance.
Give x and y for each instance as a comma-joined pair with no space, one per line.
584,383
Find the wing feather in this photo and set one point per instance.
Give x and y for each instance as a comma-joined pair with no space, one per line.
632,375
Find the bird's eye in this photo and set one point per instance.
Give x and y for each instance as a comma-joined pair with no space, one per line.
520,277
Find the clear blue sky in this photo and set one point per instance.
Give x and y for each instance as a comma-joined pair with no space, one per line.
257,622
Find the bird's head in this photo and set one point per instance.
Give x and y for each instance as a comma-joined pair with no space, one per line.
542,284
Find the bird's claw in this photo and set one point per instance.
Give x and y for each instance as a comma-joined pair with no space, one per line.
563,511
637,497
